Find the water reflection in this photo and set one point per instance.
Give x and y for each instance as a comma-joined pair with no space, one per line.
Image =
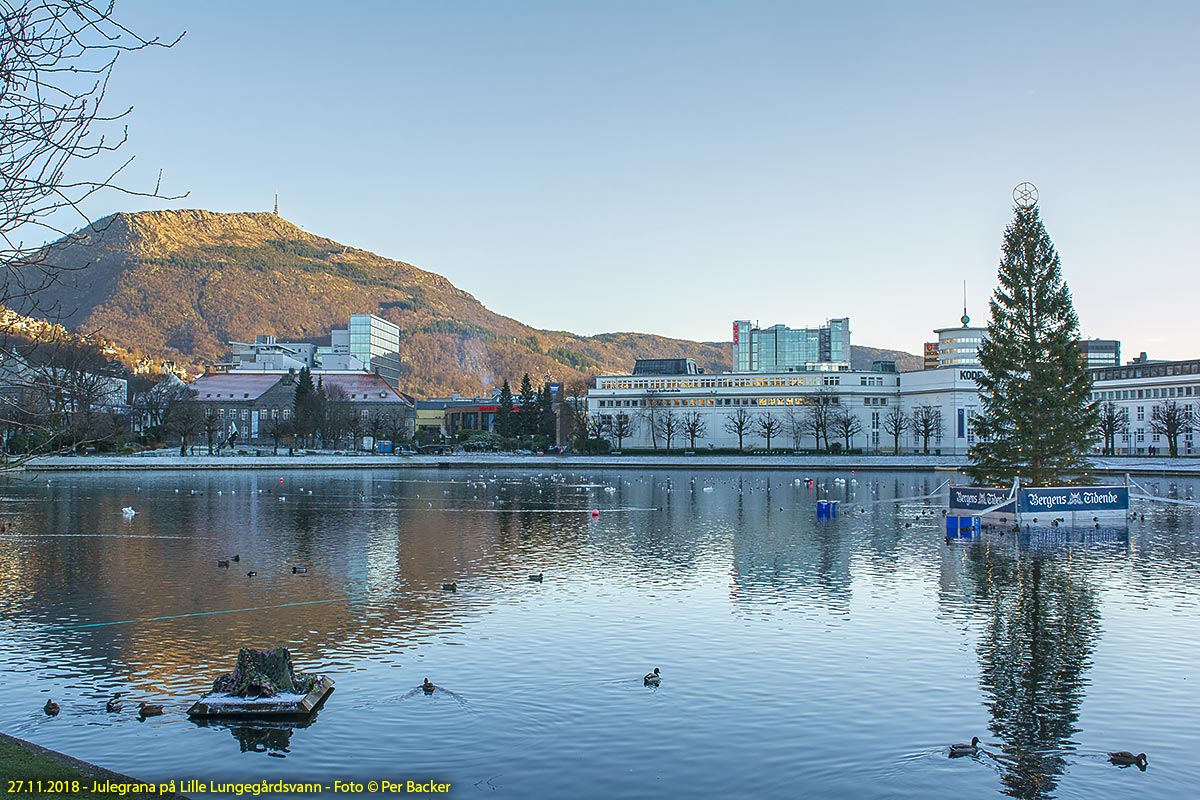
1041,626
260,736
846,629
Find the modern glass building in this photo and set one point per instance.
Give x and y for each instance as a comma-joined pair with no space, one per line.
376,342
1101,352
783,349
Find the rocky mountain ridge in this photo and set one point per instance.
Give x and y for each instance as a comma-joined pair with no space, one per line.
180,285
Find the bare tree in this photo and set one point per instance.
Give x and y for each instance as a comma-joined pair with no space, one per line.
278,428
576,407
212,425
1114,421
653,419
56,57
621,427
739,423
1170,419
926,424
819,415
183,417
793,421
390,424
768,426
847,424
695,426
671,425
895,423
337,417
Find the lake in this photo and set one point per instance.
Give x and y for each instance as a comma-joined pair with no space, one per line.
799,658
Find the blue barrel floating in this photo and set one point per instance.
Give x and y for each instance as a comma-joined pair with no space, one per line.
961,527
827,509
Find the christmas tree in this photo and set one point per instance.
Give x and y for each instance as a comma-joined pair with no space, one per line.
1038,420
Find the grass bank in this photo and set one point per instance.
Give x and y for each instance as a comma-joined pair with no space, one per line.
37,770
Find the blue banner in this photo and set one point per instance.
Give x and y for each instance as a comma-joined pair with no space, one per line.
1091,498
974,498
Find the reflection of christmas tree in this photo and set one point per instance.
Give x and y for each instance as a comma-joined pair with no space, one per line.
1042,625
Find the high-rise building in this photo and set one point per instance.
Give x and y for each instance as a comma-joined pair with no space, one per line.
376,342
1100,352
783,349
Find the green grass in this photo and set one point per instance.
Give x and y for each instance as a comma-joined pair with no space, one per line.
16,763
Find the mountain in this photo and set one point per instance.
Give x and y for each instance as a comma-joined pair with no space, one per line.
182,284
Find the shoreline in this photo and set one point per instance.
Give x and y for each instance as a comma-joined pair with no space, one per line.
1159,467
86,770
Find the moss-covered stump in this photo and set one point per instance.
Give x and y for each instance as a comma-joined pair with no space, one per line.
264,673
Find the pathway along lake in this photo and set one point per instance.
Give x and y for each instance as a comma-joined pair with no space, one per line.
799,658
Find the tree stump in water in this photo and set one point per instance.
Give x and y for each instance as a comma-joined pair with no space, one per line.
264,673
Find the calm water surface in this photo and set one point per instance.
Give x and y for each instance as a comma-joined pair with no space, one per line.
799,659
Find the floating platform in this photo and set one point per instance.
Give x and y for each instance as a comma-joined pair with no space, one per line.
280,706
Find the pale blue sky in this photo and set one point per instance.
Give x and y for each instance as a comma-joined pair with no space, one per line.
671,167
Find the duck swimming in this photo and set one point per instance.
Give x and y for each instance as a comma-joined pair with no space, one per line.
428,686
149,709
536,578
965,749
652,678
1126,758
113,705
450,587
51,708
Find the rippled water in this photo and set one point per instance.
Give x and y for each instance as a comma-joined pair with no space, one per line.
799,659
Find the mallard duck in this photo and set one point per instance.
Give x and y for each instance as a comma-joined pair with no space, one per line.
536,578
652,678
51,708
1126,757
236,559
149,709
428,686
113,705
450,587
965,749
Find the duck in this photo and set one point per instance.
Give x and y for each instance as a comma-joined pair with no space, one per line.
149,709
113,705
428,686
224,564
965,749
299,570
251,574
536,578
51,708
450,587
236,558
1124,757
652,678
128,511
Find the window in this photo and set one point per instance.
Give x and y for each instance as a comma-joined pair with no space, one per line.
1141,412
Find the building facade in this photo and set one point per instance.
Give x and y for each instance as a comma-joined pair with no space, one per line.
783,349
1100,352
252,403
376,343
1135,390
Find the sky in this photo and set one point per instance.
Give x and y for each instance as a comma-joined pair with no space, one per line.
669,167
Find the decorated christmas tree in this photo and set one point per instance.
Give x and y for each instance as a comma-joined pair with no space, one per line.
1038,420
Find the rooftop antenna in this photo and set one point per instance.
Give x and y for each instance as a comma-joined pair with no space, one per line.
966,321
